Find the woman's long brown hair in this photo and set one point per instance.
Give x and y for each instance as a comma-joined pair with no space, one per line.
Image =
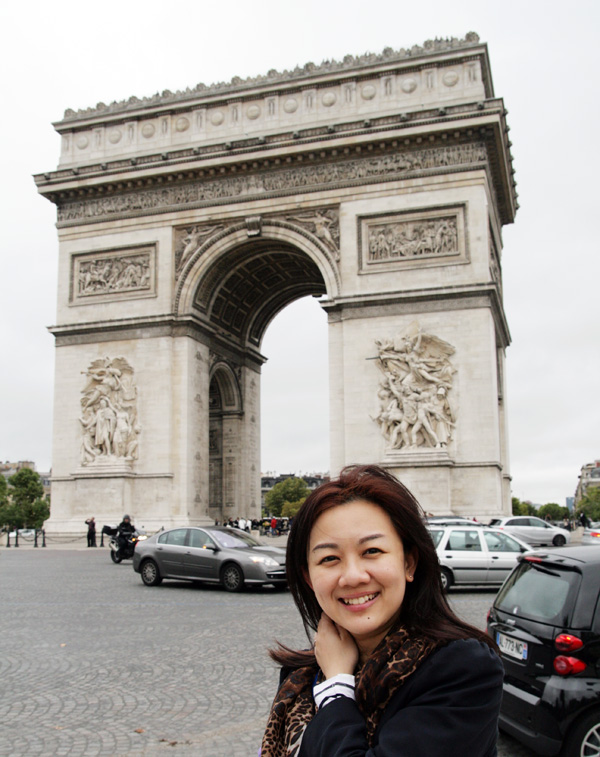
425,610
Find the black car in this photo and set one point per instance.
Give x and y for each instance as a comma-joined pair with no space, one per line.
546,622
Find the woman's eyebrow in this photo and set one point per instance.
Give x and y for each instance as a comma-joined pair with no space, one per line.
332,545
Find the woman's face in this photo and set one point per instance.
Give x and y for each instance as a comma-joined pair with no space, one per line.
358,570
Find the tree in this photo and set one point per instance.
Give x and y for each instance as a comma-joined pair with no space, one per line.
590,504
553,511
291,491
522,508
26,506
3,491
290,509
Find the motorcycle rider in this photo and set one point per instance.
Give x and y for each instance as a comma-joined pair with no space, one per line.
124,531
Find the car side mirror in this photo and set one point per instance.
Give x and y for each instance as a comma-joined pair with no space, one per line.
211,547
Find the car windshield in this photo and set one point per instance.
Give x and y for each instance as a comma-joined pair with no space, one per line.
539,592
234,539
436,535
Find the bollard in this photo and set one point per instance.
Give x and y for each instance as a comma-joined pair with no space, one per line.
43,538
8,538
102,538
35,538
16,537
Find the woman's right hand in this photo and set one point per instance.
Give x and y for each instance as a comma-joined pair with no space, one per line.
335,649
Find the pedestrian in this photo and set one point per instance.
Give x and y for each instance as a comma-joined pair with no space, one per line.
273,526
91,534
391,669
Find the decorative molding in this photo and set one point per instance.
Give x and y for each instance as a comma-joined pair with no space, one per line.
432,236
429,47
414,407
113,274
274,183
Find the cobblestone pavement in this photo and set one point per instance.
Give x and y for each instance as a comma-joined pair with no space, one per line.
94,663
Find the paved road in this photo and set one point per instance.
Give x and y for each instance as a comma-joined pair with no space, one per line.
94,663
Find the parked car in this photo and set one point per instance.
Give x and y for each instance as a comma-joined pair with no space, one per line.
25,533
546,622
215,554
475,555
534,531
591,535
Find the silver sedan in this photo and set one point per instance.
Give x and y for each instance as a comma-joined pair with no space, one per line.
475,555
214,554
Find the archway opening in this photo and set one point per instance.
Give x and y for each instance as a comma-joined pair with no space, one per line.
295,391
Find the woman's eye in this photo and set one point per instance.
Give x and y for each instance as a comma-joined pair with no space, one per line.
373,551
327,559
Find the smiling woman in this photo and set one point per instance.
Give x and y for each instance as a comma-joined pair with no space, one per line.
392,671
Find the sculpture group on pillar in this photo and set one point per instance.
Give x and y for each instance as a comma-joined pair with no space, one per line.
109,422
415,410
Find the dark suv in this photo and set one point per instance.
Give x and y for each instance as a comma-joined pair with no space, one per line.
546,621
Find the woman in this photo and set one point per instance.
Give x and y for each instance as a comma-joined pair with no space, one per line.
392,672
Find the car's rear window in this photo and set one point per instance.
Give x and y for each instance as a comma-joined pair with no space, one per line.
539,592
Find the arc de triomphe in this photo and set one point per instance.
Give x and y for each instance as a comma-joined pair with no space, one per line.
188,220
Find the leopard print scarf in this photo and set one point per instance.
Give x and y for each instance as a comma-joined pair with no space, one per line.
396,657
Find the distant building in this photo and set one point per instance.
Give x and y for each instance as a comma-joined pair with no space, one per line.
570,503
589,477
268,482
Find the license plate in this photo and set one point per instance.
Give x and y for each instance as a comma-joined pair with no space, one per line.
512,647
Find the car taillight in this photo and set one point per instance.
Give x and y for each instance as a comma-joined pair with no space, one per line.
595,533
532,558
565,666
566,642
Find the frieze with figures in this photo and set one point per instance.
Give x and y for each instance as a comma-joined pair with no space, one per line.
427,237
113,274
236,188
415,411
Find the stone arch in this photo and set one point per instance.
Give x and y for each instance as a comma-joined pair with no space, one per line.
239,282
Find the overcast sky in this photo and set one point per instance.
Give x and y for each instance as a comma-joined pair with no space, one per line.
544,58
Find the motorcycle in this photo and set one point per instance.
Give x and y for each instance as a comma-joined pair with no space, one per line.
119,553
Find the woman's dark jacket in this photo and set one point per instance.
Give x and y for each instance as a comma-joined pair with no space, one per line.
448,707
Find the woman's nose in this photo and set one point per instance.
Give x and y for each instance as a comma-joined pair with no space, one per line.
353,573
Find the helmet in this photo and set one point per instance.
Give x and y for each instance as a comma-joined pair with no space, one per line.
126,517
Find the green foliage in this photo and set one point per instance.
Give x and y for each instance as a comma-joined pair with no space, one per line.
3,491
553,511
290,509
25,505
26,487
522,508
590,504
291,491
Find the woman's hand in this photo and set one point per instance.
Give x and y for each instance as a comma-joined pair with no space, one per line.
335,649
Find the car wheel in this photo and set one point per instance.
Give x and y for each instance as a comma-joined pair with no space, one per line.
446,578
583,740
150,574
559,540
232,578
115,557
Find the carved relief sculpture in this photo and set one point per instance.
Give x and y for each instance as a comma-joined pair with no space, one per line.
188,241
325,225
125,273
109,421
412,239
414,410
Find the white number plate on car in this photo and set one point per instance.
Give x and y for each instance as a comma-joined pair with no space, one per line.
512,647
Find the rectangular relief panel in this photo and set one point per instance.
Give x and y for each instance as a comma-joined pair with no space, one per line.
124,273
415,238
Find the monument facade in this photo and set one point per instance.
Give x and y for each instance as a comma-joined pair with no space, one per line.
188,220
